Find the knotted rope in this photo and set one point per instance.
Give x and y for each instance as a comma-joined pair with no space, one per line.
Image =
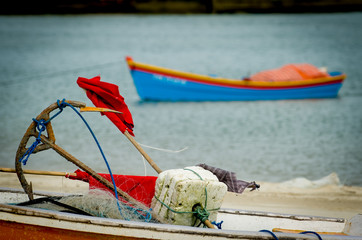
41,126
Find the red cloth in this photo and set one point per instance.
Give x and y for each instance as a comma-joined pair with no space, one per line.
141,188
80,176
106,95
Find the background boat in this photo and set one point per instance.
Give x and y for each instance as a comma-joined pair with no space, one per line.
162,84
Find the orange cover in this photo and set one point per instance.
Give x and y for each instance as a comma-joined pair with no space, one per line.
290,72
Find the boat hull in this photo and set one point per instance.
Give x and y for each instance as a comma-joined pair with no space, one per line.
164,88
13,230
27,223
23,222
160,84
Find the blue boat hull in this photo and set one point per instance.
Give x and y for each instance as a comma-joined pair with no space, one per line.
158,87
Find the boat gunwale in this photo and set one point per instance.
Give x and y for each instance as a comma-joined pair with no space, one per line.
280,215
236,83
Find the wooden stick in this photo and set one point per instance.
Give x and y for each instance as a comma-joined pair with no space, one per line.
144,154
39,172
88,170
209,224
134,142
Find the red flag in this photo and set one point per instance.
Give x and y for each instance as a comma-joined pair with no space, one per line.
106,95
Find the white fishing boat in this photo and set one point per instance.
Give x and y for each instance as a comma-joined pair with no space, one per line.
30,222
189,198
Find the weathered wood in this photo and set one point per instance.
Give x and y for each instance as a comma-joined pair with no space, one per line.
39,172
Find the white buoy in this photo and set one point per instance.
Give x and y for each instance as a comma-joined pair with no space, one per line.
179,191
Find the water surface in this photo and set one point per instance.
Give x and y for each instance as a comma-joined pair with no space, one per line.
41,58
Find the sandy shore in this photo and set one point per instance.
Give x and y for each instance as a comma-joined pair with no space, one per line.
329,200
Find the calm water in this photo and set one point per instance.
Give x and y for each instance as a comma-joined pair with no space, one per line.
42,56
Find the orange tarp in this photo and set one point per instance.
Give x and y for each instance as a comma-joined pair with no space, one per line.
290,72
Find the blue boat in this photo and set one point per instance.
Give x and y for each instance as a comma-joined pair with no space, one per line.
306,82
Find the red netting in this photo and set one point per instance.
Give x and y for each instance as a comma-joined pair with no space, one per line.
141,188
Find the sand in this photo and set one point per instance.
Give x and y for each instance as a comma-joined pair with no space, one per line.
328,199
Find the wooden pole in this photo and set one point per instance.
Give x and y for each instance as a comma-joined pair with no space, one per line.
144,154
209,224
88,170
38,172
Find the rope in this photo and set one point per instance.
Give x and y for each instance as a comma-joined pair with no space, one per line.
306,232
169,208
30,149
218,225
163,149
271,233
201,213
205,188
41,126
158,149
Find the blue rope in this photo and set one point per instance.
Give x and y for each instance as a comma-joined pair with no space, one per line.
41,126
306,232
218,225
271,233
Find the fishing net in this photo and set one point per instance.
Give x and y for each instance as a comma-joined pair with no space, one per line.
100,203
141,188
96,202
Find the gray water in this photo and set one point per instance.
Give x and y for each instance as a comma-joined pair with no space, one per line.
41,58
